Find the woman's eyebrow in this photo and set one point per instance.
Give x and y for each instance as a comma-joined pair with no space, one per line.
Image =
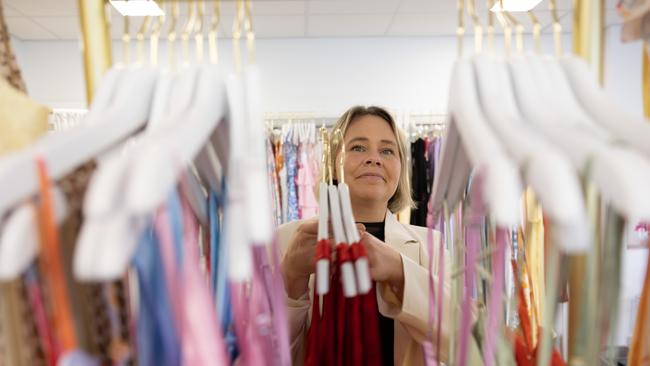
389,142
362,139
365,139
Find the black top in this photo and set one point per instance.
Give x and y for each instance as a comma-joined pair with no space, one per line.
386,325
420,186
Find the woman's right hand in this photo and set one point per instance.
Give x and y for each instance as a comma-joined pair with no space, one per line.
298,261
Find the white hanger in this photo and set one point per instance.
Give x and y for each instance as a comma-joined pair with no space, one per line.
236,221
19,239
156,168
106,217
347,270
471,143
323,265
257,196
120,109
158,163
361,267
621,124
544,168
546,100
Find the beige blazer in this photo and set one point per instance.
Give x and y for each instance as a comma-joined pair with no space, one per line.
411,315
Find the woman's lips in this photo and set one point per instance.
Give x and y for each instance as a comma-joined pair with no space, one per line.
373,176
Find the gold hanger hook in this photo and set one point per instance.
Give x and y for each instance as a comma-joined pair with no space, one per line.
236,34
198,37
188,29
478,28
172,35
250,35
557,27
460,31
214,32
126,41
155,37
507,32
325,159
537,32
490,27
144,27
337,135
519,31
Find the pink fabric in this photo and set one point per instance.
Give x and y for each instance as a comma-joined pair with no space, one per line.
306,183
42,326
496,290
473,226
441,283
279,303
430,354
201,339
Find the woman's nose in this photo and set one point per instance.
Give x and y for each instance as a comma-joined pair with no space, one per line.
373,160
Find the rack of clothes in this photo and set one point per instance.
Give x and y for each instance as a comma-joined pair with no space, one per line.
529,198
139,246
293,166
426,140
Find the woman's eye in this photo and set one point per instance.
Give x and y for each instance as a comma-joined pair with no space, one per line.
388,152
358,148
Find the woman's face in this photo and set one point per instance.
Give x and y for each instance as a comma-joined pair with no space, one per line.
372,163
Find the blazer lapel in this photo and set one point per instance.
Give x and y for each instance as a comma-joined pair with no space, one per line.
401,239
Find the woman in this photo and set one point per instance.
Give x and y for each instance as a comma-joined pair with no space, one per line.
376,171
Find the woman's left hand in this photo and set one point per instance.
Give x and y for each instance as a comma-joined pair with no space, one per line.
385,263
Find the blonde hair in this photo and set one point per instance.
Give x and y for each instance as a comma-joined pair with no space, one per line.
401,199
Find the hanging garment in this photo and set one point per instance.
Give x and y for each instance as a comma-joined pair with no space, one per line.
275,183
386,325
419,183
534,252
281,162
52,266
19,337
158,342
320,336
433,157
192,304
305,182
526,350
22,120
410,315
640,344
93,304
291,162
218,274
8,66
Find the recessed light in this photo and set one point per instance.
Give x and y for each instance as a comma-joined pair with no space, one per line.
137,8
514,5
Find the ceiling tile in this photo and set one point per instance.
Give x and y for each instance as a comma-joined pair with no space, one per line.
61,27
353,7
422,24
279,26
9,11
25,29
348,25
428,6
270,7
45,8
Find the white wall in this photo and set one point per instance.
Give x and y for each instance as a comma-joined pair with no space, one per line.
311,75
326,76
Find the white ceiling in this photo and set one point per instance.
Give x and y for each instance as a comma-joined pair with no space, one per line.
57,19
